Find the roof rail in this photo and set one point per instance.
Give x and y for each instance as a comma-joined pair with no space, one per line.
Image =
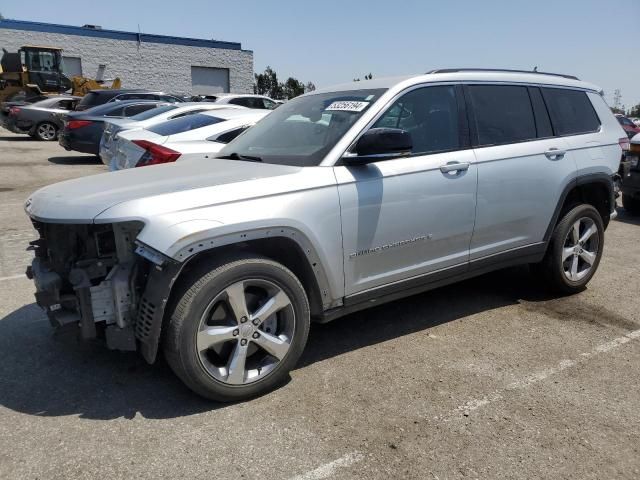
456,70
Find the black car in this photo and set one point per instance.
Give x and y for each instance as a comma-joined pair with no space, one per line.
100,97
83,130
631,179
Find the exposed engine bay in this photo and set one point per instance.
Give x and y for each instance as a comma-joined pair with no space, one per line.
90,275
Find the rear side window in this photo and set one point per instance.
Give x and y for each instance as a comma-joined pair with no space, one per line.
571,111
242,101
227,136
91,98
152,113
132,110
183,124
503,114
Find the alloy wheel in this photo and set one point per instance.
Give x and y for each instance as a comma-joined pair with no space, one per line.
580,249
245,331
46,131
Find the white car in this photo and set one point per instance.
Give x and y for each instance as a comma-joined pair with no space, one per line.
189,137
114,126
259,102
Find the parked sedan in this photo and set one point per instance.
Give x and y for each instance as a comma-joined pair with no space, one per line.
195,136
100,97
83,130
41,120
18,99
146,119
259,102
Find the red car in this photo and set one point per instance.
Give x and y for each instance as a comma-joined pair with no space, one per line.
629,127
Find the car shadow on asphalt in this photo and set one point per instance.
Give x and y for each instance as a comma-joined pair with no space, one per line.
76,160
47,374
25,138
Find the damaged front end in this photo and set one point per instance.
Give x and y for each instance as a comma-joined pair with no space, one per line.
95,276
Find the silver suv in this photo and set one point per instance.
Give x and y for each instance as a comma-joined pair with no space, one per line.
340,199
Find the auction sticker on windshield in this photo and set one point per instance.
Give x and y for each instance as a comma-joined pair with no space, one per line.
347,106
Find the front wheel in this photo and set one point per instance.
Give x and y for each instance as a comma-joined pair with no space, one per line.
238,329
574,251
46,131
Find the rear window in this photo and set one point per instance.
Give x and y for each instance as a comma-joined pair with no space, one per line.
91,98
503,114
152,113
571,111
183,124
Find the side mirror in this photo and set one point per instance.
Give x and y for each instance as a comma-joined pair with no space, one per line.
380,144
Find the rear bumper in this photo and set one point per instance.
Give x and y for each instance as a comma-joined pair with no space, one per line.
70,143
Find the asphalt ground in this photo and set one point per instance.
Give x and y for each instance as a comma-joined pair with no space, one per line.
489,378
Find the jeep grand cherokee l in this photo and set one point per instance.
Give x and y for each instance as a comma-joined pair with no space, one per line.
340,199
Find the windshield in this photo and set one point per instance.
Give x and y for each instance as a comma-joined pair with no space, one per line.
153,112
183,124
303,130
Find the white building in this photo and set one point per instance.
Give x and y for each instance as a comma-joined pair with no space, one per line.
141,60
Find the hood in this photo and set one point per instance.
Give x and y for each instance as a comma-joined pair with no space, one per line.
81,200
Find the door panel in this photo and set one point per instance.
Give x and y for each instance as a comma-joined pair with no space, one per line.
518,190
405,217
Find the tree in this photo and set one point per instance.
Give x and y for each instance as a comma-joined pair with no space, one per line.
266,83
1,17
292,88
634,111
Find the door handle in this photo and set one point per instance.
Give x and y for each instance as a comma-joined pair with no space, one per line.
554,154
454,167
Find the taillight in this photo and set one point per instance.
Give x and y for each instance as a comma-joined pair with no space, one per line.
73,124
155,154
14,111
624,143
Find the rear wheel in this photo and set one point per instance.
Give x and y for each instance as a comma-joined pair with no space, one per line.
631,204
238,329
574,251
46,131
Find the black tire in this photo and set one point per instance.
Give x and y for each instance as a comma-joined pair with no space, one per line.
631,204
46,131
192,300
552,268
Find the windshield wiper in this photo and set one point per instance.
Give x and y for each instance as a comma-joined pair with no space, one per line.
237,156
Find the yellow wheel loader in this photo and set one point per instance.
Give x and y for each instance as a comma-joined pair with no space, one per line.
39,71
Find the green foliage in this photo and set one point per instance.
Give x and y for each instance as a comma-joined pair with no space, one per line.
634,111
267,83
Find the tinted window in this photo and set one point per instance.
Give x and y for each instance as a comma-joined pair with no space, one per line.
571,111
227,136
430,115
153,112
625,121
131,110
503,114
183,124
268,104
91,98
169,98
242,101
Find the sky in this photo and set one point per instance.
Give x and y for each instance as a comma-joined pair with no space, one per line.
333,41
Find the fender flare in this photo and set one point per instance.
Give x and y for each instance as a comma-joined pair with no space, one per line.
161,279
600,178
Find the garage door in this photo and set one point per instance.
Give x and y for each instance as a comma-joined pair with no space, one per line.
72,66
209,80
